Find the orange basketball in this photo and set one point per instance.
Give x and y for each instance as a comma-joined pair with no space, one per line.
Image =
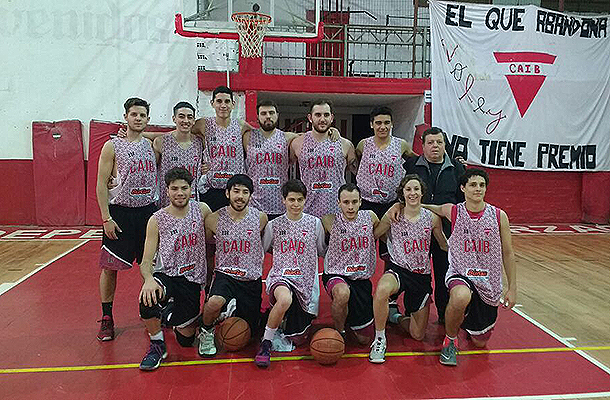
233,334
327,346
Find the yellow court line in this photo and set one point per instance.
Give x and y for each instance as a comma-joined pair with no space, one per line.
297,358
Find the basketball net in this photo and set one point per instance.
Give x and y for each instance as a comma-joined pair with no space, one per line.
251,28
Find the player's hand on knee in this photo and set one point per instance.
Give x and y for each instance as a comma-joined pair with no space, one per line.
150,293
334,133
111,229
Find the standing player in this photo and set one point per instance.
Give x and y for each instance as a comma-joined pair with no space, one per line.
179,148
223,150
350,263
480,247
409,267
132,160
239,260
176,234
322,162
293,286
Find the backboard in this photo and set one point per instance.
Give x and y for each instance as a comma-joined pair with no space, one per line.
297,19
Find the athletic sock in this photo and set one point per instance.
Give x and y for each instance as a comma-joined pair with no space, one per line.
450,339
269,333
107,309
208,328
157,336
380,334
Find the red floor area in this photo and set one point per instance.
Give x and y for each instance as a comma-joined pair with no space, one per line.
50,320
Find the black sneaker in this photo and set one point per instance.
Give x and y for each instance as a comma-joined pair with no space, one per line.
449,354
263,357
153,357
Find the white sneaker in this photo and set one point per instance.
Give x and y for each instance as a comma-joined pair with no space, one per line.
207,347
377,354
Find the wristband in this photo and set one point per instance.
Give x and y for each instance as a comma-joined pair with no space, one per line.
106,220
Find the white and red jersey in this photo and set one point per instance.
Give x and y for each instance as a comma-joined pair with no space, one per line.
224,152
351,250
475,250
409,243
296,247
239,247
380,171
182,244
267,164
173,155
322,167
137,173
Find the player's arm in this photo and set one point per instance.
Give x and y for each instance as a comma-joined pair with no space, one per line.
393,212
211,223
374,219
151,291
406,149
350,156
295,148
263,219
437,231
104,172
158,148
327,224
268,237
198,128
440,210
244,126
360,149
508,259
320,238
383,226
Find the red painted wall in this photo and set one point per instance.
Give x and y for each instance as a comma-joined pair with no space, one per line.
17,192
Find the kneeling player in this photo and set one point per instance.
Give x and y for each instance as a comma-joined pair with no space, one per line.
481,246
293,285
409,268
177,234
239,260
350,263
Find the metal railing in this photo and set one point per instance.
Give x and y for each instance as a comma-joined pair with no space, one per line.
355,50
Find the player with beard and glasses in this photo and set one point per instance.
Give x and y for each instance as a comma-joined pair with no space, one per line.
176,234
268,159
237,283
322,163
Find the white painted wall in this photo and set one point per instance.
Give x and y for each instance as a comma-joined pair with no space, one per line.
80,59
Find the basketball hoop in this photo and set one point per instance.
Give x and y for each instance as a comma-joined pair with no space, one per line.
251,27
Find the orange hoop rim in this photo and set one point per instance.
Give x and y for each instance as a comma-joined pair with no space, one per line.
251,17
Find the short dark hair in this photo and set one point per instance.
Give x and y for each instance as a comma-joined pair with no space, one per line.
381,110
294,185
240,179
432,131
183,104
136,101
320,102
266,103
470,172
350,187
177,173
222,89
404,181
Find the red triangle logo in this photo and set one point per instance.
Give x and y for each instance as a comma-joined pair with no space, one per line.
524,88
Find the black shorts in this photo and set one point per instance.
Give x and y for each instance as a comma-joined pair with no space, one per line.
214,198
360,304
247,294
121,253
296,320
417,287
186,295
480,316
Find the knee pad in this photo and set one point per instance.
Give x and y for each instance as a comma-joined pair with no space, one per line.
184,341
147,312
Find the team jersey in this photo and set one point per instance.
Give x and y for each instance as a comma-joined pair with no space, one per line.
475,251
380,171
224,152
322,167
409,243
296,246
182,244
136,173
267,164
239,248
351,249
174,155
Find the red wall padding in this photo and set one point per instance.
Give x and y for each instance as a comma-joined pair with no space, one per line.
99,133
596,197
59,173
17,192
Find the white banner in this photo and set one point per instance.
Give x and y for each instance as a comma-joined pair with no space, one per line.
522,87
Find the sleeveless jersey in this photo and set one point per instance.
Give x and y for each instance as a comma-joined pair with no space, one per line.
224,152
322,167
351,250
239,248
267,165
380,171
182,244
409,243
295,259
174,155
137,173
475,251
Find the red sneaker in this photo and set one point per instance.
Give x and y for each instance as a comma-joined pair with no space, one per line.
106,329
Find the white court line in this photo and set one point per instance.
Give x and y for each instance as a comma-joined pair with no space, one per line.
545,397
6,288
564,341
